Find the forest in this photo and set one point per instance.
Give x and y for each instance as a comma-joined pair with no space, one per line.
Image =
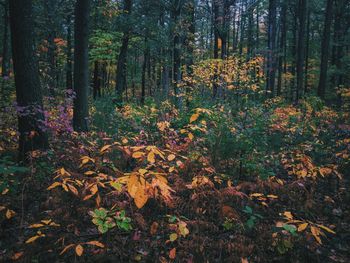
194,131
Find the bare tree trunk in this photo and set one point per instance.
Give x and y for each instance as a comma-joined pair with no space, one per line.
28,90
81,65
5,50
325,50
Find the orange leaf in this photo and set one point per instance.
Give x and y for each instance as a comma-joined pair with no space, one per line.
79,250
194,117
66,248
137,155
302,227
151,157
172,253
95,243
171,157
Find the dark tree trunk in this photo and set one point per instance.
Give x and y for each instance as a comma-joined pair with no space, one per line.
325,50
81,65
122,59
301,49
144,67
307,52
5,42
257,38
28,91
69,63
250,34
97,80
51,46
176,49
271,59
282,40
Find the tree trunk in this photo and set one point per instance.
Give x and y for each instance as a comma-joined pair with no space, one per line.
97,80
6,51
271,60
325,50
307,51
122,58
81,65
301,49
28,92
69,63
282,40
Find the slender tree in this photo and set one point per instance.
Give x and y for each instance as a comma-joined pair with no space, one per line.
28,92
5,42
122,58
81,65
325,49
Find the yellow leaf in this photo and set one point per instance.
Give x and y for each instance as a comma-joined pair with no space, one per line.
95,243
55,184
327,229
171,157
104,148
302,227
140,197
288,215
36,225
256,195
272,196
10,213
32,239
133,185
173,237
64,186
194,117
190,135
89,173
151,157
79,250
46,222
94,189
137,155
142,171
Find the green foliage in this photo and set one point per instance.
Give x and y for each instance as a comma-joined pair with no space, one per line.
106,220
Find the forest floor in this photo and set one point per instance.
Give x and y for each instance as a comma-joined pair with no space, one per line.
267,183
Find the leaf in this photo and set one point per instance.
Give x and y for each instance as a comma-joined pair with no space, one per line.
327,229
171,157
256,195
55,184
190,136
302,227
133,185
10,213
172,253
154,228
173,237
73,189
17,255
137,155
244,260
140,197
316,233
89,173
194,117
79,250
288,215
95,243
32,239
151,157
36,225
66,248
104,148
142,171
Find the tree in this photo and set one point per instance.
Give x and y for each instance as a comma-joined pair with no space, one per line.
5,49
325,49
301,48
81,65
122,58
271,60
28,92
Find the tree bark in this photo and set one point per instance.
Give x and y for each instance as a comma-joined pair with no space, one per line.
6,51
81,65
122,58
31,125
301,49
325,50
271,60
69,63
